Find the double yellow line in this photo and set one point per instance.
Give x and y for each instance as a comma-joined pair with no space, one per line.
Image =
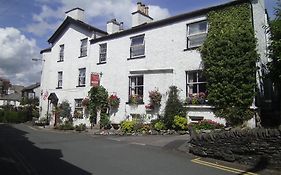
221,167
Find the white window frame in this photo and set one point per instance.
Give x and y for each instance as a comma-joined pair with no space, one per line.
133,88
199,34
137,46
60,79
83,47
82,77
61,54
103,53
197,82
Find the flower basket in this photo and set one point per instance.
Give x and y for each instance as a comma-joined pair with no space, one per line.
113,101
197,99
155,98
135,99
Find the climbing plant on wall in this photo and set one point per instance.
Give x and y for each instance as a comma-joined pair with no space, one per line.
229,56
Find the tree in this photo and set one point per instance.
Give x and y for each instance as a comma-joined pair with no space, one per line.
98,101
4,86
173,107
229,56
275,48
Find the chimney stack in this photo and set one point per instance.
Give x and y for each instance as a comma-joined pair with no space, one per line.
141,15
76,13
113,26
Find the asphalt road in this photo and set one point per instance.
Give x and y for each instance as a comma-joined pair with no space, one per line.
27,150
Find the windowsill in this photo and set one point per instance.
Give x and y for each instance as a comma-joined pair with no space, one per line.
137,57
60,61
81,56
192,48
58,87
81,86
139,103
200,106
101,63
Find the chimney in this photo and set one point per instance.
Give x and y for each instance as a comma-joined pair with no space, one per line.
113,26
141,15
76,13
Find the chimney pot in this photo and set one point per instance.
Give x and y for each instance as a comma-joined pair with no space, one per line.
146,10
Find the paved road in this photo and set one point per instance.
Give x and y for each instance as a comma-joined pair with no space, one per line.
27,150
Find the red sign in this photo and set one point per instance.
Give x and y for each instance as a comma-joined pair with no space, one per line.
95,79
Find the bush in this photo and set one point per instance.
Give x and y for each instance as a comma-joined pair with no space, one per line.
105,121
128,126
66,126
80,127
207,124
173,107
180,123
159,125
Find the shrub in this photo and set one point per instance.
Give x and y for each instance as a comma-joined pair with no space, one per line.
65,126
159,125
80,127
113,101
173,107
155,98
64,110
128,126
105,121
207,124
180,123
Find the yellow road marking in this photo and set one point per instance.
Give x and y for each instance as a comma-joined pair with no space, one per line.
221,167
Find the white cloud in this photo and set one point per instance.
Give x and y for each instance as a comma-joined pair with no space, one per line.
50,18
15,57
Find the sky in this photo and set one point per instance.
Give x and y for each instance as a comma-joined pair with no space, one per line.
26,25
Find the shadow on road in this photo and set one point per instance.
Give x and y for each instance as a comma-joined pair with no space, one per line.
20,156
259,166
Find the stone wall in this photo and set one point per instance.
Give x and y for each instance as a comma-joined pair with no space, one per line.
253,147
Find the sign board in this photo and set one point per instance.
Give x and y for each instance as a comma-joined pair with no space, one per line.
95,79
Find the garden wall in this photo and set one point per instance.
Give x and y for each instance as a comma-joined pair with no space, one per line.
250,147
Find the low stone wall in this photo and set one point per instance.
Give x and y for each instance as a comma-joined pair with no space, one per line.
255,147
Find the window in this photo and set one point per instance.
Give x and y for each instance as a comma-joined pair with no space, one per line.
196,82
103,49
59,80
83,48
137,46
78,112
196,34
136,88
61,56
82,77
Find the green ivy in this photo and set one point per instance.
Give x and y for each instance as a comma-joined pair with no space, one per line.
229,56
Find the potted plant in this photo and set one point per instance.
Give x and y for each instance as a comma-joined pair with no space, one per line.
196,99
155,98
135,99
113,101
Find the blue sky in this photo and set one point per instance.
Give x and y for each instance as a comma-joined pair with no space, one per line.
26,25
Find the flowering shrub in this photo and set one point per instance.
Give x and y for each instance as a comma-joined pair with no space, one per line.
207,124
135,99
179,123
78,114
159,125
155,97
128,126
114,101
196,98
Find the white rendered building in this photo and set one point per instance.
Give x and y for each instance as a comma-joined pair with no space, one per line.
150,55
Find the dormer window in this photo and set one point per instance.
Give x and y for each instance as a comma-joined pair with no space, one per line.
196,34
61,55
83,48
137,48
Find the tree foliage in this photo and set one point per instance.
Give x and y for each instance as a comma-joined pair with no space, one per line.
275,47
98,100
229,56
173,107
4,86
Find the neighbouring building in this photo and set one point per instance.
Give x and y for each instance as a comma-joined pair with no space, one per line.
150,55
13,96
31,91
